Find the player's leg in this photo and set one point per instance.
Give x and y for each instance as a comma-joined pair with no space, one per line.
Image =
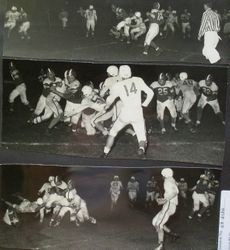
172,110
93,26
47,114
40,105
13,95
116,128
99,118
133,31
140,130
196,205
126,32
74,121
160,115
200,107
216,108
205,203
27,27
23,97
57,112
87,28
86,119
148,38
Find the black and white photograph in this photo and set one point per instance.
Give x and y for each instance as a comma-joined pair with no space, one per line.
118,30
171,113
45,207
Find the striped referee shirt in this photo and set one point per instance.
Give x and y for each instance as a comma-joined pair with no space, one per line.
210,22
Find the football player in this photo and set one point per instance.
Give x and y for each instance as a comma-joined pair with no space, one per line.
133,189
209,95
49,101
115,191
170,22
183,189
11,19
155,18
19,89
200,196
129,91
190,91
152,192
64,18
185,24
91,19
164,92
169,202
139,28
25,25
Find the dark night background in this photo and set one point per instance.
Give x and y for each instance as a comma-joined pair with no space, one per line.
126,227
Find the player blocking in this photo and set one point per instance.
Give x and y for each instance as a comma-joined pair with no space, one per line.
129,91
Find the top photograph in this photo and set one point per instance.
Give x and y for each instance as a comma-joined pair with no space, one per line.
167,31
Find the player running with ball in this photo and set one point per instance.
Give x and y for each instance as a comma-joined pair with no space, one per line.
155,18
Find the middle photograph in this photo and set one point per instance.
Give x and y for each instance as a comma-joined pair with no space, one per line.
170,113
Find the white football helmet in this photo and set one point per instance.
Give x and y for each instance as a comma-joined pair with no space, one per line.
183,76
39,201
14,8
167,172
112,70
87,91
91,7
138,14
51,178
125,71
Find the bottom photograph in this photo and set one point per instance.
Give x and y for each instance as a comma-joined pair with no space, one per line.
50,207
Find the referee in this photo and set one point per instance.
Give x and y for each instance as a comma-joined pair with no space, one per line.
210,25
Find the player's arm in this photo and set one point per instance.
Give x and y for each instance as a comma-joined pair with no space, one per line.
149,94
111,98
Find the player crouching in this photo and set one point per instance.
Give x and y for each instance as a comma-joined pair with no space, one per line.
139,28
129,90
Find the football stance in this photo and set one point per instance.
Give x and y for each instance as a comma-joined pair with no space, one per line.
169,202
165,93
209,94
129,91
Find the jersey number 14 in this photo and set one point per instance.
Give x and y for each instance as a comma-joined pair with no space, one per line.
130,90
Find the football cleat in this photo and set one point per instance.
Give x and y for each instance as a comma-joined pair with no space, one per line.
141,151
